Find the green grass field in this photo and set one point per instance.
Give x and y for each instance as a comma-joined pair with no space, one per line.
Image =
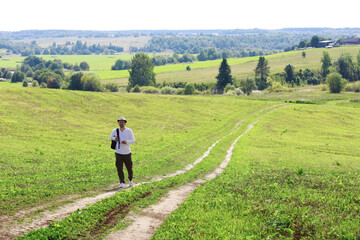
295,174
65,134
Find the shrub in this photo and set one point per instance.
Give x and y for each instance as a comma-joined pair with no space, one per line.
353,87
247,85
277,87
76,68
357,87
91,83
18,76
204,86
168,90
348,88
231,93
84,66
68,66
149,89
335,82
239,92
121,65
65,85
25,83
179,91
43,85
35,83
229,87
189,89
75,81
136,89
53,83
206,92
112,87
8,75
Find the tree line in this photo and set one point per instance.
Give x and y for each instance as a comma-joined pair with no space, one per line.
242,45
142,77
343,68
158,60
78,48
46,73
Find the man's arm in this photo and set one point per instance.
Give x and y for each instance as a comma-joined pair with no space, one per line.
113,135
131,139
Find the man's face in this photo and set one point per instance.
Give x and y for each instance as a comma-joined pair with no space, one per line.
121,124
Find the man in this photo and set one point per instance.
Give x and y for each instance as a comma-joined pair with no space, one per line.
122,150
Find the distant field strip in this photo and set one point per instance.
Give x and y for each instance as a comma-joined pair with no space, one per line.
204,71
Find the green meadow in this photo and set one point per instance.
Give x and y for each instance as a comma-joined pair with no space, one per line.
295,175
56,142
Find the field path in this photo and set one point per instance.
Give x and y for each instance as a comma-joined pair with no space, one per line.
11,228
144,225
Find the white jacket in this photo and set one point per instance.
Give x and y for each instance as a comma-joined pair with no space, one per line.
128,136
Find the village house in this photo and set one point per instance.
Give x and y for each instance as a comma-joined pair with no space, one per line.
326,43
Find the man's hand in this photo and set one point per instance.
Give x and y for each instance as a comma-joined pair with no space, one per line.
116,139
124,142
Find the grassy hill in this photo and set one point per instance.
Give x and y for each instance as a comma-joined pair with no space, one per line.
295,176
201,71
56,142
244,67
55,146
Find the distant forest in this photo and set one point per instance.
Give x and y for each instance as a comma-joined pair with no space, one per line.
235,43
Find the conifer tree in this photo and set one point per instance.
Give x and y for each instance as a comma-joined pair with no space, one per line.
262,71
224,77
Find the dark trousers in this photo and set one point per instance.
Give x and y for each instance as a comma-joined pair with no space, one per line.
120,160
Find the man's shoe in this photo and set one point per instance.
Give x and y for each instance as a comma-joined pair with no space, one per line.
131,183
121,185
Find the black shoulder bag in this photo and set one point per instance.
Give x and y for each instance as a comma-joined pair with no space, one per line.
113,143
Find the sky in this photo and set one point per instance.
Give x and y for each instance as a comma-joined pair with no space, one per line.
176,15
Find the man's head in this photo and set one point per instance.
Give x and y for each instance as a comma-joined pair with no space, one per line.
122,121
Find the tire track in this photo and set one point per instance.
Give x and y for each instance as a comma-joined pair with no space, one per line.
144,226
11,229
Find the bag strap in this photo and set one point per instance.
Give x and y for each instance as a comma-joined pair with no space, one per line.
117,131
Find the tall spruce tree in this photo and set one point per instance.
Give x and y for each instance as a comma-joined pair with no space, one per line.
290,73
262,71
224,77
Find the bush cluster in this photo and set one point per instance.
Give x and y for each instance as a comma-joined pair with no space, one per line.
353,87
5,73
277,87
